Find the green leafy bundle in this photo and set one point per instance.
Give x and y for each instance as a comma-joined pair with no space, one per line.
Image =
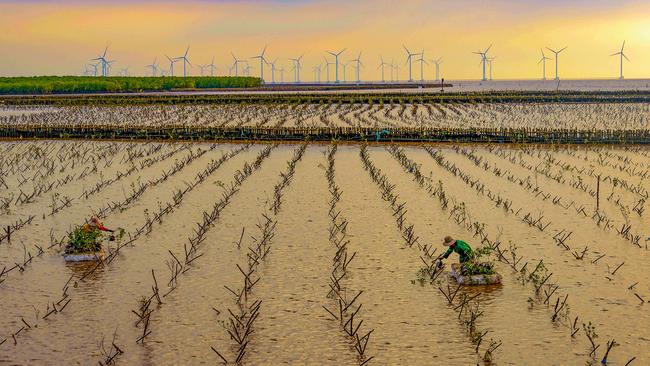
84,240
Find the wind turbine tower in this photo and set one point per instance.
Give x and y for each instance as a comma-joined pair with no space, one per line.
336,61
103,61
381,66
437,63
409,61
489,60
154,67
557,53
185,60
171,65
422,62
296,67
211,66
620,53
236,63
359,64
327,67
543,62
273,70
484,60
262,62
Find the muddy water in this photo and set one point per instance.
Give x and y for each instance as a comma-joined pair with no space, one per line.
412,322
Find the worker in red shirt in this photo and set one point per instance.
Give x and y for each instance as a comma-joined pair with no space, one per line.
96,223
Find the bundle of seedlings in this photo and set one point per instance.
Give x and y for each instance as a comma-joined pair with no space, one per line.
476,271
85,243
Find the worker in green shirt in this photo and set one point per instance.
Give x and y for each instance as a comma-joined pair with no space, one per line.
463,249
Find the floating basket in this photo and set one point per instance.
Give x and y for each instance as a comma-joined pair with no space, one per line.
473,280
85,257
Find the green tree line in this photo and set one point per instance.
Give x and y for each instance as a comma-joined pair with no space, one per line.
90,84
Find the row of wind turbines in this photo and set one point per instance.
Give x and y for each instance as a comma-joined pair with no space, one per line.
104,65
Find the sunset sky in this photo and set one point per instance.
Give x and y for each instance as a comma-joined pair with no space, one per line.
39,37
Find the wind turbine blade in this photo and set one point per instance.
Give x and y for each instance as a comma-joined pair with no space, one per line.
343,50
486,51
623,46
550,49
614,54
407,50
562,49
625,57
187,50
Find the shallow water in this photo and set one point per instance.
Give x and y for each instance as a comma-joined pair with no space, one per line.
412,322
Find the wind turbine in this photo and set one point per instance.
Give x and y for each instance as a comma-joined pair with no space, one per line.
543,62
103,61
622,55
483,60
489,60
185,60
359,64
202,67
281,74
171,65
317,72
211,66
94,66
381,65
154,67
262,61
296,67
557,53
327,67
437,63
124,71
236,63
336,57
109,64
273,70
409,61
422,62
247,70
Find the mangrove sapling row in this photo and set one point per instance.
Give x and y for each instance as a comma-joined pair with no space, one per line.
598,216
560,236
340,262
539,276
460,215
98,187
615,181
39,175
241,322
145,228
467,306
513,119
137,191
191,253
